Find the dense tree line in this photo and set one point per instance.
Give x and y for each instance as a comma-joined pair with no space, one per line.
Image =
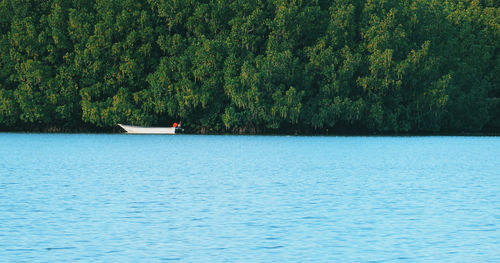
251,65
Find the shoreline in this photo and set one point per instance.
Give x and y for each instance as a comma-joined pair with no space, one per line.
343,134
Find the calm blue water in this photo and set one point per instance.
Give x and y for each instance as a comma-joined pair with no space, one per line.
125,198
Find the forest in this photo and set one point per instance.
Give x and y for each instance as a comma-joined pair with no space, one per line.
251,66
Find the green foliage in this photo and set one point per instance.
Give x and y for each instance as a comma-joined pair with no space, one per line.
250,66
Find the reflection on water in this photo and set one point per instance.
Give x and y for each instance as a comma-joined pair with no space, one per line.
117,198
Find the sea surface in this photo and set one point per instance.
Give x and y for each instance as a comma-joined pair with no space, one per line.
187,198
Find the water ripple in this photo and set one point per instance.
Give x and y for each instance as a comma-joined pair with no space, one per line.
112,198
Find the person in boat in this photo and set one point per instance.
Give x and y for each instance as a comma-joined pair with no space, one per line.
177,126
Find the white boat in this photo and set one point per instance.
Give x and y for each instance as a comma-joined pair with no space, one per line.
150,130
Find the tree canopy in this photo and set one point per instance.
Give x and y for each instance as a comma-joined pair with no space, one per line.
251,66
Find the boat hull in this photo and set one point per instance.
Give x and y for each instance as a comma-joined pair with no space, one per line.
147,130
